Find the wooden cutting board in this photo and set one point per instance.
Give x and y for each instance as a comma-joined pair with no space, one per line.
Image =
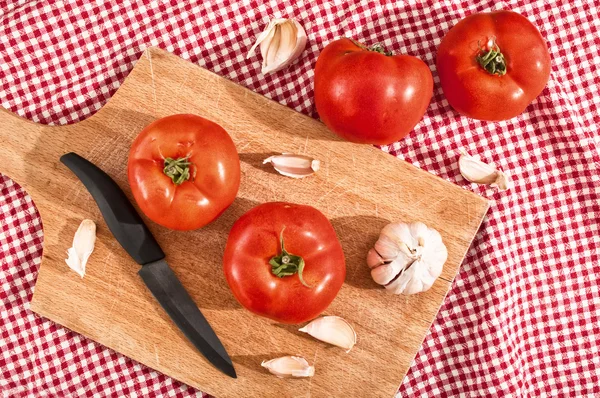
359,188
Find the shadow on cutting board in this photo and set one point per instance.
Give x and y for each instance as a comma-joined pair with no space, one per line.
357,235
204,264
256,160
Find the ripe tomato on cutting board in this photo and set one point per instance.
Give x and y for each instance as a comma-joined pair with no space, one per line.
284,261
184,171
492,65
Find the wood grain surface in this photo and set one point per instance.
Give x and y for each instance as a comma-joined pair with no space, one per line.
359,187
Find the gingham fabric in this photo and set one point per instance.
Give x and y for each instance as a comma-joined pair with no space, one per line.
523,316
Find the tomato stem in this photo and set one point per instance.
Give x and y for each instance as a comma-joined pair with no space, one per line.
287,264
379,48
492,60
178,170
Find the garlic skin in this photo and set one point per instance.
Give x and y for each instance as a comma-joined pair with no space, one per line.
83,246
289,366
474,170
294,166
333,330
281,43
407,258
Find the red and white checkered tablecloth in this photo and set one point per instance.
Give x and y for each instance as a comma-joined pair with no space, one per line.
523,316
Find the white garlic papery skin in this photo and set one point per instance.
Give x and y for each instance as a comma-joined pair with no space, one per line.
407,258
83,246
333,330
289,366
294,166
281,43
474,170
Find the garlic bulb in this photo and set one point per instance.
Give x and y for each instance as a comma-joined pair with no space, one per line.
333,330
289,366
295,166
407,258
474,170
281,43
83,246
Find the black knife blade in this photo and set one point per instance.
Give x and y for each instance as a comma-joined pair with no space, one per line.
130,231
176,301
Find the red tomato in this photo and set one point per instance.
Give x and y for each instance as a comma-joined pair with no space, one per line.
254,255
492,65
366,96
184,171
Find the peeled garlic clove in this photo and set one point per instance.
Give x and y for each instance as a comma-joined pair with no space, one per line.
474,170
82,248
281,43
289,366
294,166
333,330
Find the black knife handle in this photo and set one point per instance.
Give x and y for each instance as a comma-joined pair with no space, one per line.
121,217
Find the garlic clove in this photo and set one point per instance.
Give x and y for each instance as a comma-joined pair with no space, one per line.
474,170
285,33
281,43
411,281
374,259
266,35
386,273
292,165
265,45
420,275
83,246
333,330
270,49
503,181
399,236
289,366
387,246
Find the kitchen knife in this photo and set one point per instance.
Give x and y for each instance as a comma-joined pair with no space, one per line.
130,231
